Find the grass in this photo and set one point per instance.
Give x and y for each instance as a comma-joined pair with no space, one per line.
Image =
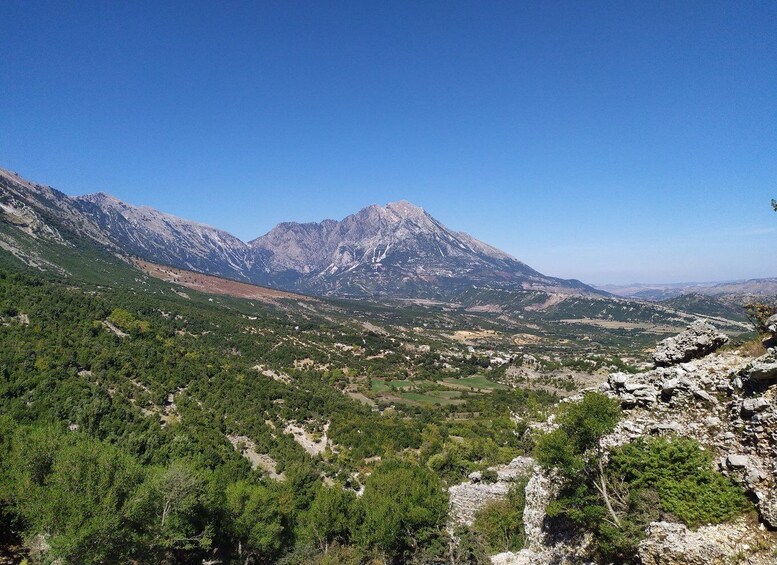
380,385
476,382
430,398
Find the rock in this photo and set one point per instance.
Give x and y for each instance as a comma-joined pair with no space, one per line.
767,509
671,427
518,467
734,461
670,386
771,324
700,339
752,405
645,395
523,557
628,399
703,394
538,493
38,547
469,497
631,386
617,380
713,422
674,544
763,369
754,476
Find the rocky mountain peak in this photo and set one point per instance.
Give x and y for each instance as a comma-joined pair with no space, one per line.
405,209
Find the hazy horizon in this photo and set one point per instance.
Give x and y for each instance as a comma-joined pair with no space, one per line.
610,143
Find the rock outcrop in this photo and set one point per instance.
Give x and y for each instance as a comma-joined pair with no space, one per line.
726,402
469,497
670,543
700,339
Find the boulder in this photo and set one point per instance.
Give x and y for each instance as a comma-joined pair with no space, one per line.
763,369
618,380
703,394
734,461
767,509
771,324
700,339
752,405
645,395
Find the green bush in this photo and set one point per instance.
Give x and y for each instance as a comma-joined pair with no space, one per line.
683,477
581,425
403,507
489,476
500,523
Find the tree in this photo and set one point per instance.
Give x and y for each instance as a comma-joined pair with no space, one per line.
403,506
256,519
176,499
330,516
80,492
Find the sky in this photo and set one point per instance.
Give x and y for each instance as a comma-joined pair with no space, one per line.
613,142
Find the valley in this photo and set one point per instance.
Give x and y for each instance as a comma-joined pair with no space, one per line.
217,397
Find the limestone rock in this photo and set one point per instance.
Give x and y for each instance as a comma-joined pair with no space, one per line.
700,339
763,369
674,544
469,497
771,324
735,461
767,508
752,405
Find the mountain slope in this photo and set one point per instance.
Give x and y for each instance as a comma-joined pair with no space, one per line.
393,251
164,238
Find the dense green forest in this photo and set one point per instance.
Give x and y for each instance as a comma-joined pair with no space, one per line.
117,407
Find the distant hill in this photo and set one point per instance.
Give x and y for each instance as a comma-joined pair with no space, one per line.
766,287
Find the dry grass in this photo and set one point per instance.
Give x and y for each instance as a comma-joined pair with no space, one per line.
752,348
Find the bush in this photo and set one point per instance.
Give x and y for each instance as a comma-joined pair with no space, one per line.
757,313
581,425
403,507
683,477
500,523
489,476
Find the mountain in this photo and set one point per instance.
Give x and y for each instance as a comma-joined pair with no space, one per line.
392,251
749,289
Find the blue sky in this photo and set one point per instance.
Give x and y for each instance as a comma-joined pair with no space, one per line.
606,141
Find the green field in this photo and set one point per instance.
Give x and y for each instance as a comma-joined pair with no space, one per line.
434,397
476,382
379,385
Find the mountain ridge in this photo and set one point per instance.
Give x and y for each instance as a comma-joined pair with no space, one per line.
395,250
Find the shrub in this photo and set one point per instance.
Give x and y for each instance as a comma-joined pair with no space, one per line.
757,313
489,476
581,425
500,523
683,477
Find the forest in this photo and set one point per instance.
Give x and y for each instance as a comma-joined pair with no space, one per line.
116,409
